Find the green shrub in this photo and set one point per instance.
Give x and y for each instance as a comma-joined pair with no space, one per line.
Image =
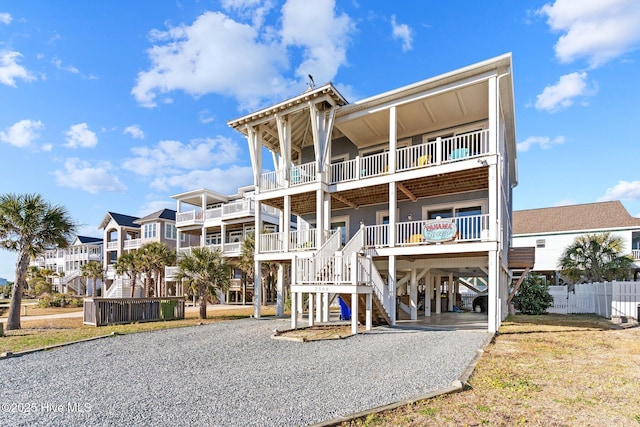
49,300
533,296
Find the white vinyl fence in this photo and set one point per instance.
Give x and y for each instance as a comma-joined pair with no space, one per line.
608,299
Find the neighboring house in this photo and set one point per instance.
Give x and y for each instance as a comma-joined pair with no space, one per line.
552,230
407,194
125,233
66,264
207,218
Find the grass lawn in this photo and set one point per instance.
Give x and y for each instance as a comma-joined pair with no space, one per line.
552,370
42,333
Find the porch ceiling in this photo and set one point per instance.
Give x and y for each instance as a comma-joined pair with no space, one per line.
437,185
417,116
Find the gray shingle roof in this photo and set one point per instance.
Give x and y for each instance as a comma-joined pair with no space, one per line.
167,214
589,216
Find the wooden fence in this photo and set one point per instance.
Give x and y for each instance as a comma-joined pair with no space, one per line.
108,311
608,299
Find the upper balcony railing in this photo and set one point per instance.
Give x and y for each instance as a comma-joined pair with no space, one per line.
112,245
429,154
234,209
636,254
228,249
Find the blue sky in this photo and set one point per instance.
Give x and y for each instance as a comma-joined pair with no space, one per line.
118,105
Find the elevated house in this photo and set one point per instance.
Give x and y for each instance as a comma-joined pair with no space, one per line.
206,218
552,230
66,263
407,194
126,233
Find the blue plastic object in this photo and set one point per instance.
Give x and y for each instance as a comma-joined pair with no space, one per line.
345,311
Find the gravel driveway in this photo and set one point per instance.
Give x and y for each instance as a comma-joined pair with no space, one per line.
228,374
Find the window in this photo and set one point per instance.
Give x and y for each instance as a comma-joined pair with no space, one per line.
170,232
343,224
541,243
213,239
149,231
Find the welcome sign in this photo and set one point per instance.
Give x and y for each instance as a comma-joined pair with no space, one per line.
440,230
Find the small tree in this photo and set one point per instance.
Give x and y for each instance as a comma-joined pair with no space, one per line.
204,271
595,258
533,296
93,270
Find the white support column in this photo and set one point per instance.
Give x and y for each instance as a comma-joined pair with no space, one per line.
450,294
318,297
428,295
325,307
319,217
300,298
286,221
257,289
369,313
280,291
392,288
223,236
393,138
326,206
354,313
492,288
438,296
294,310
413,294
393,207
310,309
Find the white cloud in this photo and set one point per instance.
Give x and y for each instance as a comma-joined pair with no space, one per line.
22,134
82,175
154,206
213,55
205,116
70,68
402,32
623,190
543,141
565,202
256,10
169,157
47,147
562,94
217,54
598,30
135,131
5,18
225,181
80,135
10,70
322,34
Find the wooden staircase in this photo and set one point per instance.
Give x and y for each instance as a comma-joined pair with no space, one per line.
378,314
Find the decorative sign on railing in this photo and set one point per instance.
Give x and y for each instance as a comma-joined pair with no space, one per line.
440,230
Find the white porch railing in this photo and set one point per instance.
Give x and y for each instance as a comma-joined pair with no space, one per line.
416,156
303,240
302,174
469,228
272,242
238,207
333,270
132,243
191,216
635,253
112,245
466,145
213,213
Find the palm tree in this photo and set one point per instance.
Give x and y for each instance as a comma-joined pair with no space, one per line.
154,257
92,270
38,280
29,225
128,264
268,272
204,271
595,258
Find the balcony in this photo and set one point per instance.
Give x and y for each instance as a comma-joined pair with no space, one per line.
232,210
635,253
299,240
112,246
232,249
429,154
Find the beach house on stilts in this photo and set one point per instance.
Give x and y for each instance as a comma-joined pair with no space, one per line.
406,195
